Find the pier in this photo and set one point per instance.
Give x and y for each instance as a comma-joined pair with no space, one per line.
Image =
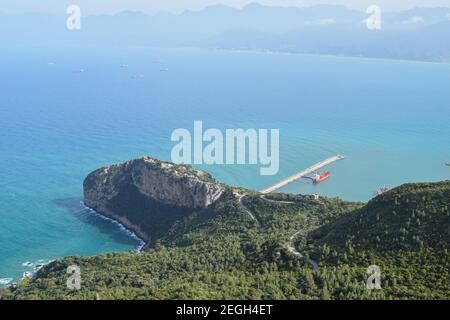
302,174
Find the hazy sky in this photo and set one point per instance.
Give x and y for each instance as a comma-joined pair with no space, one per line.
153,6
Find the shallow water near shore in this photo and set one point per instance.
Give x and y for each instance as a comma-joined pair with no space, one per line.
389,118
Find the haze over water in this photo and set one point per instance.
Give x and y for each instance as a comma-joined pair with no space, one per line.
66,114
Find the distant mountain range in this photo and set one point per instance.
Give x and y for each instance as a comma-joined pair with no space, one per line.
418,34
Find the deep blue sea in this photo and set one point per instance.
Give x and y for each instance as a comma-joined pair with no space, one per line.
64,113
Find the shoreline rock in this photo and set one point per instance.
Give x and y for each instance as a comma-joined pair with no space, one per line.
147,195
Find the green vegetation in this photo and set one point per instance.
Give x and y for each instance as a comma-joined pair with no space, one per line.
222,253
406,232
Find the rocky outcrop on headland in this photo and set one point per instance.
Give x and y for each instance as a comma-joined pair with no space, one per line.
147,195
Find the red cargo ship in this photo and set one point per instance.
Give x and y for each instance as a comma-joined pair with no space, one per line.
318,178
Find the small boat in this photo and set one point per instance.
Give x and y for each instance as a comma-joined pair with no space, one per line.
318,178
79,71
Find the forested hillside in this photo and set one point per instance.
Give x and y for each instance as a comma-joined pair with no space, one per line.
240,248
405,231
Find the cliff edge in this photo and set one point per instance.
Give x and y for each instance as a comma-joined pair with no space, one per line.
147,195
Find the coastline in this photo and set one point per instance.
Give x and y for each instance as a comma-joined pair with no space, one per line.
288,53
125,226
325,55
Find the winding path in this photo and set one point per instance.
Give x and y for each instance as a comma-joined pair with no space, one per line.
291,243
292,249
275,201
250,213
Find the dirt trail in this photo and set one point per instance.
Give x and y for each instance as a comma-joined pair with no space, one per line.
291,243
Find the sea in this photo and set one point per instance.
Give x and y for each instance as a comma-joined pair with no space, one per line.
65,113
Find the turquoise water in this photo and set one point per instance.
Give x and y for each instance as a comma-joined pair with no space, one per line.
389,118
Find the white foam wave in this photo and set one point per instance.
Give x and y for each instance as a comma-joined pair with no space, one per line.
27,264
141,243
5,281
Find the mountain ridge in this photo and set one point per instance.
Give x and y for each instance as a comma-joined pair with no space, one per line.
422,32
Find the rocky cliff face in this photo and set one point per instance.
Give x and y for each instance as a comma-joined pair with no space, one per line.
148,195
